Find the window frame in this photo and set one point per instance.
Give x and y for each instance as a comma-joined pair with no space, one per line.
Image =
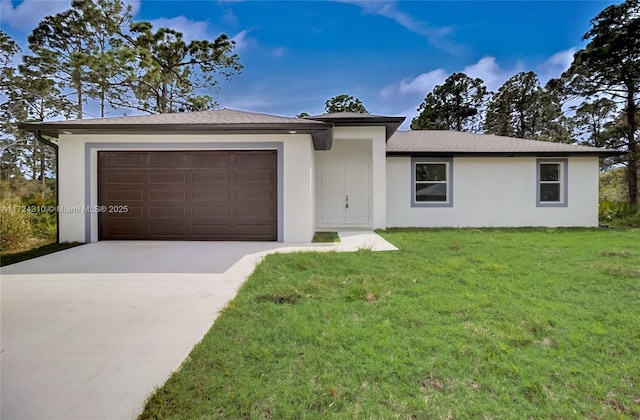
448,162
563,182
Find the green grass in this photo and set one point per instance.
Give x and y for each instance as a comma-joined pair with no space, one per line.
326,237
458,323
12,258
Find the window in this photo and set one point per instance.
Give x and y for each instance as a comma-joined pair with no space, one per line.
431,182
552,183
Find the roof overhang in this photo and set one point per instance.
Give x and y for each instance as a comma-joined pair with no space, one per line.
603,153
321,133
391,124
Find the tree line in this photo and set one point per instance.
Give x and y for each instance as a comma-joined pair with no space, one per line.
594,103
95,50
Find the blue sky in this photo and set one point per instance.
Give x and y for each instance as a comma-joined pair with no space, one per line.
298,54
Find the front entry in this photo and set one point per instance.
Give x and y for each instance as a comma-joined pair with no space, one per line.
345,193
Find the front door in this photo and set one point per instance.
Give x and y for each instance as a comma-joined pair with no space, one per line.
346,196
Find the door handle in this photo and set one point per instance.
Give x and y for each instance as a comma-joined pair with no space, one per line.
346,204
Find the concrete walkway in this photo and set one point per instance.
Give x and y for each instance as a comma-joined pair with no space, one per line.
89,332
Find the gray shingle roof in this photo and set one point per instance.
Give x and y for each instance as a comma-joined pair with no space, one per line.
355,119
454,142
221,116
345,114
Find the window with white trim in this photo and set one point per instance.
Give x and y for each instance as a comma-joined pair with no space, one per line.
552,183
431,181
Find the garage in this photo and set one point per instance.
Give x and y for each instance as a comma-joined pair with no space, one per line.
188,195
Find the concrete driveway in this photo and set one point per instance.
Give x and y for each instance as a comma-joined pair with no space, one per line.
87,333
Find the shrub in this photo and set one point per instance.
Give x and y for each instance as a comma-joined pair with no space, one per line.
15,226
619,213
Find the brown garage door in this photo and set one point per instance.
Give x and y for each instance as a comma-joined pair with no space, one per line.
203,195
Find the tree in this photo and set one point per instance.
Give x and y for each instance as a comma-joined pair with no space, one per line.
455,105
522,108
9,159
592,119
302,115
8,49
61,45
344,103
610,65
28,95
108,61
170,72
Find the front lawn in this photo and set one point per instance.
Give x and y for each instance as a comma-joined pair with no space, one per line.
458,323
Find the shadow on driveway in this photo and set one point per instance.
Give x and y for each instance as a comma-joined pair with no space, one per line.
142,257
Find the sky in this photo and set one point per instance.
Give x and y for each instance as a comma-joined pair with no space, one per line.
389,54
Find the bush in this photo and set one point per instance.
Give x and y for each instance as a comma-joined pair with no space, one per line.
15,226
619,213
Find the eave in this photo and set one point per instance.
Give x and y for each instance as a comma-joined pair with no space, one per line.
600,154
321,133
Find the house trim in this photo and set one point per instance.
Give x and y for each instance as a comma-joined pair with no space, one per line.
449,162
91,166
564,183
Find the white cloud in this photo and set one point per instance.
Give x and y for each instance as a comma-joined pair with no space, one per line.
229,18
389,9
490,71
418,86
255,102
242,41
555,65
191,29
26,15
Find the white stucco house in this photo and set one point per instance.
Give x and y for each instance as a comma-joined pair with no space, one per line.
234,175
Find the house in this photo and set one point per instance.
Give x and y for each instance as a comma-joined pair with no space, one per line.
233,175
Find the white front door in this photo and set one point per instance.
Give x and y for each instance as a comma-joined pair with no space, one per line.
346,193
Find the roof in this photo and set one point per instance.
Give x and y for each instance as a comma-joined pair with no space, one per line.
230,121
225,121
354,119
221,117
443,142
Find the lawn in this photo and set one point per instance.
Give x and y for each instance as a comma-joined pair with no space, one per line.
458,323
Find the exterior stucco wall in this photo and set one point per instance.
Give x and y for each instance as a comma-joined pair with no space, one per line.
495,192
359,144
79,175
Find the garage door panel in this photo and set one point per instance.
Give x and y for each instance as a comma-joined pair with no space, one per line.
254,229
212,193
164,159
127,177
123,195
168,212
262,177
124,231
168,230
176,195
248,211
254,193
131,212
255,159
203,230
135,160
219,176
168,177
208,160
211,212
192,195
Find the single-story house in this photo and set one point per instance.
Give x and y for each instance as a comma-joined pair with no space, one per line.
234,175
